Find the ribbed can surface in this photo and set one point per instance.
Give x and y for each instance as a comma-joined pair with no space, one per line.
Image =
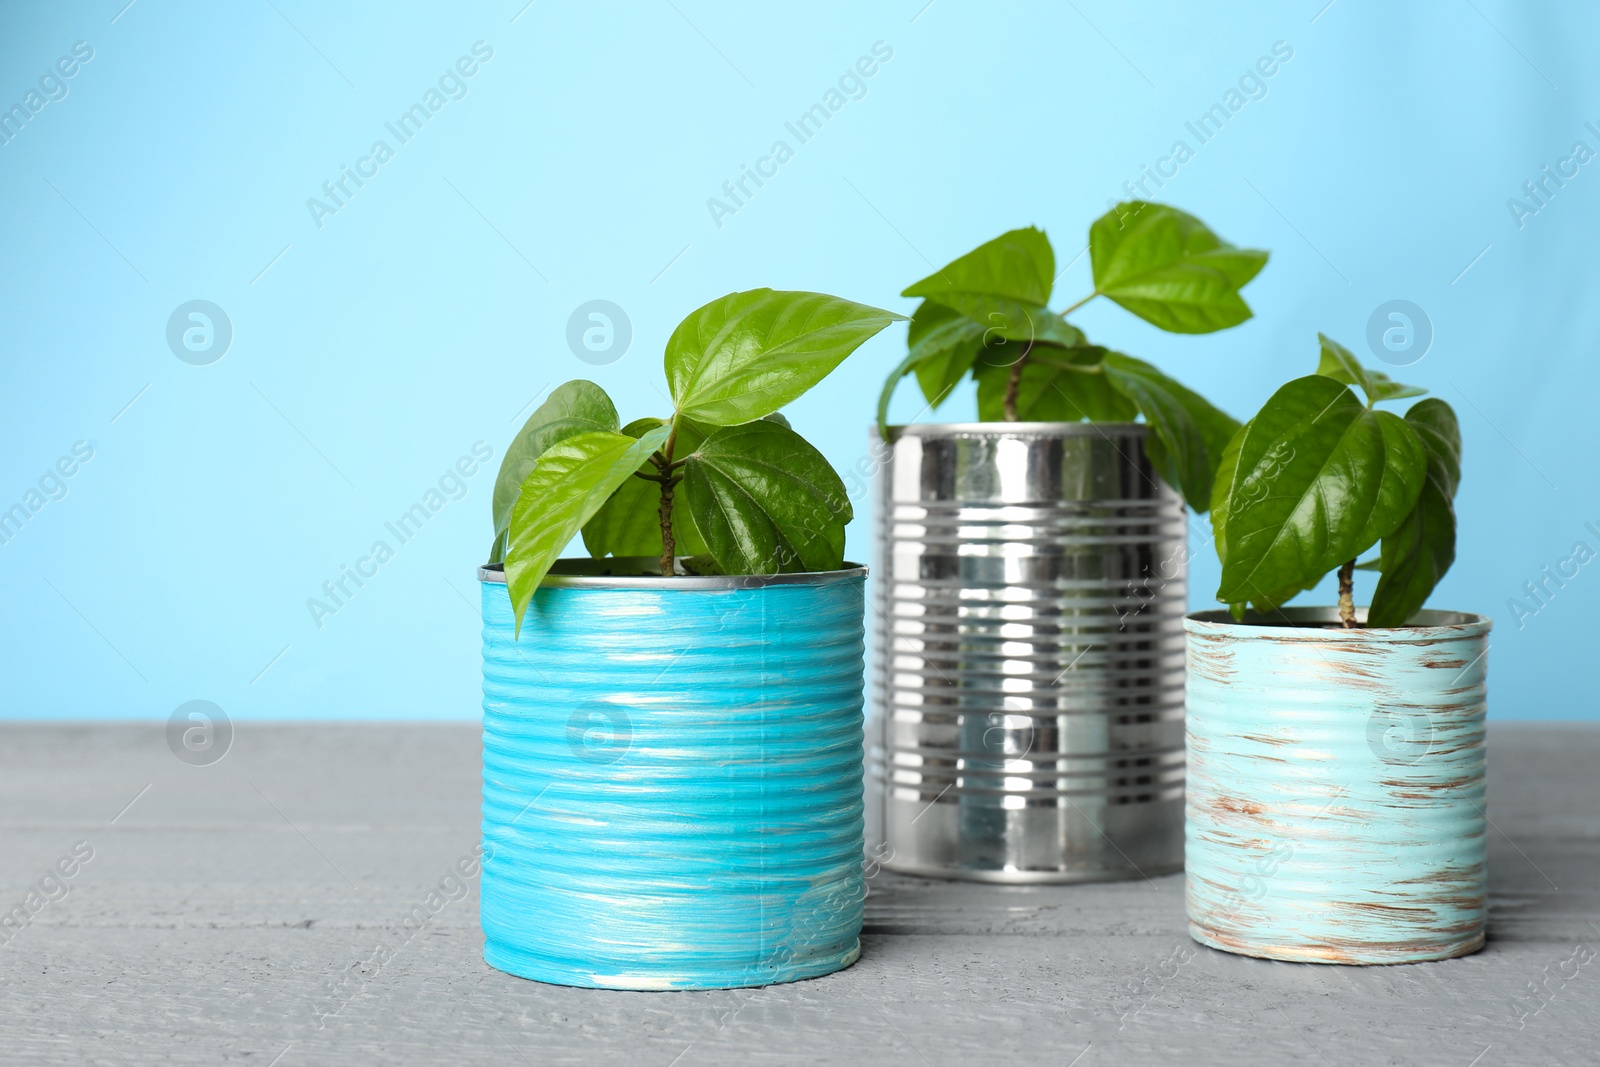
1028,692
672,779
1336,787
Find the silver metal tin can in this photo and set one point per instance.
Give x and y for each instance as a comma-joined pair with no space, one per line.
1027,711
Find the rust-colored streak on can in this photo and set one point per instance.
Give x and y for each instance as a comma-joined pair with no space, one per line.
1336,797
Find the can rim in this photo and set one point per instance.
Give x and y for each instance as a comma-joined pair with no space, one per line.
1309,624
1017,429
582,573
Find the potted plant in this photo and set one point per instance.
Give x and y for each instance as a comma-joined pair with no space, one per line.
1336,755
672,728
1028,709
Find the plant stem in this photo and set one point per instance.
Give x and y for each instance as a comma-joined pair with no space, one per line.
1347,604
1014,382
663,462
1069,310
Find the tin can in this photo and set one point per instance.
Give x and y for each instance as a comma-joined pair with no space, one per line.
1336,804
672,776
1027,713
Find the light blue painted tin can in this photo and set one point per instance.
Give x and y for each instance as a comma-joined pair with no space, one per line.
672,777
1335,809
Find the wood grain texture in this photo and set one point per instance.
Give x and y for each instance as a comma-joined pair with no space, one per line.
231,906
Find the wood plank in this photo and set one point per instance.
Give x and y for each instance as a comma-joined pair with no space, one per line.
231,906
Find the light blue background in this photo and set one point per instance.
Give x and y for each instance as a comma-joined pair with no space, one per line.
430,312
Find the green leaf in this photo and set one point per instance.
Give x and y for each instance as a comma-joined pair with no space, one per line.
629,522
573,408
943,346
1435,422
1056,385
766,501
901,369
1070,385
745,355
1227,469
1004,286
1405,469
1274,599
925,319
1018,266
992,376
1222,489
1385,388
1419,552
1004,319
1339,363
1318,479
1193,435
1166,267
571,481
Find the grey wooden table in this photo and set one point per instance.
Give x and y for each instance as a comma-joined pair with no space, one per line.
274,909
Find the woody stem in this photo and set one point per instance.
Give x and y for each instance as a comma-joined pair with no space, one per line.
663,464
1347,603
1014,382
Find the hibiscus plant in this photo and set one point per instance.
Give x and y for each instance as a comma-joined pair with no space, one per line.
1318,477
723,480
985,315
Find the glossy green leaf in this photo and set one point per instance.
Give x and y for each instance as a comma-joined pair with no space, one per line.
1192,434
571,481
1419,552
766,501
1222,489
1227,468
1405,469
1317,479
1274,599
1435,422
943,344
1056,385
1004,319
906,365
992,372
575,407
1336,361
1165,266
629,522
1083,395
1019,266
745,355
925,320
1385,388
1339,363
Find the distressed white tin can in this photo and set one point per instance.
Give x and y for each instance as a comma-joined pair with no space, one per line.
1335,808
